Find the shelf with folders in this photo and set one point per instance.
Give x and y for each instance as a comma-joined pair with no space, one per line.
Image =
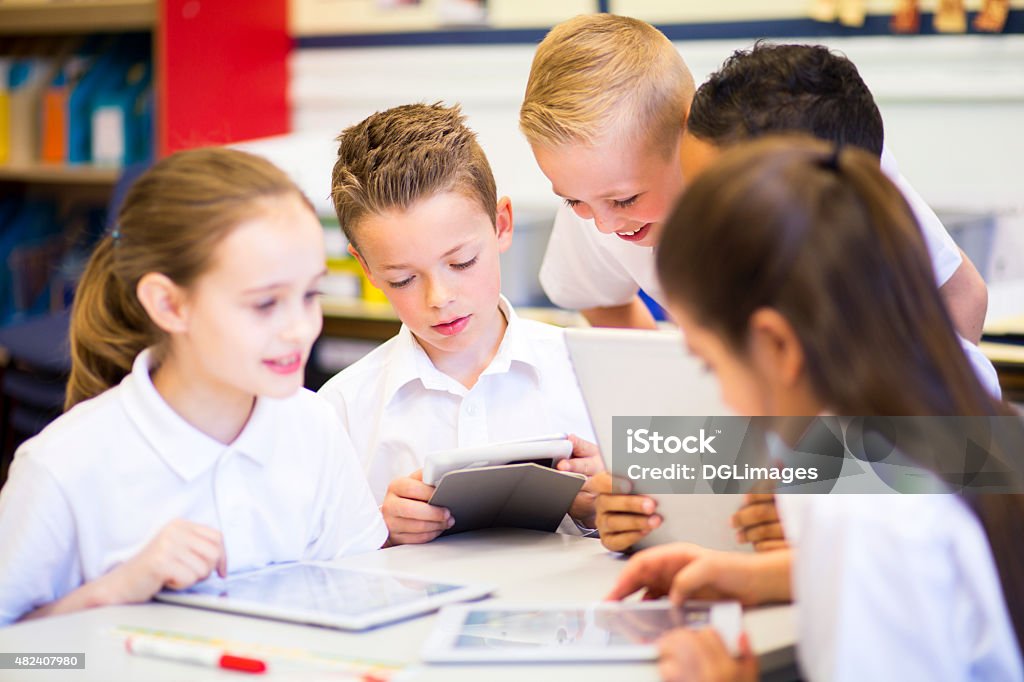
77,108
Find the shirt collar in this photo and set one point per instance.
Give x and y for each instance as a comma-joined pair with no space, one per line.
408,361
184,448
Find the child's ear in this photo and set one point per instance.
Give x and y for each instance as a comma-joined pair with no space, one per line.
362,263
164,302
503,224
775,348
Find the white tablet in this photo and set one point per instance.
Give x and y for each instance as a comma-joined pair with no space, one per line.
602,631
324,594
546,450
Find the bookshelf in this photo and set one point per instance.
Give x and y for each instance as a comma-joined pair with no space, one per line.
218,76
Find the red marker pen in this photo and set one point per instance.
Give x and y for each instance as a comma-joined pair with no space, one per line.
197,654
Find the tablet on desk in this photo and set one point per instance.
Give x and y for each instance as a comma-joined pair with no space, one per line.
323,594
602,631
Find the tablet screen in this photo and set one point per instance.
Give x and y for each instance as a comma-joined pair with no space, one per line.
602,626
317,588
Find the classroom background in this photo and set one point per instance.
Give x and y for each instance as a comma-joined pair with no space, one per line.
91,91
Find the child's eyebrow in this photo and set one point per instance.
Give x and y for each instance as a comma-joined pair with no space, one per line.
617,194
281,285
449,252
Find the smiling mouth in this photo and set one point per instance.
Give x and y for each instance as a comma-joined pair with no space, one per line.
635,235
452,327
286,364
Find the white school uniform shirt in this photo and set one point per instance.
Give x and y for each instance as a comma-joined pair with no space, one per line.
98,484
897,587
398,406
584,268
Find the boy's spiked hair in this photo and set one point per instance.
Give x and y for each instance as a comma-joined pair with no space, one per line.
602,74
394,158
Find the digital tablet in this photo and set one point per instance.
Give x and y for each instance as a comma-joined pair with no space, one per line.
546,450
323,594
603,631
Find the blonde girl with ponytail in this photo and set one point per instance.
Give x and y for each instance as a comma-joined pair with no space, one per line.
189,445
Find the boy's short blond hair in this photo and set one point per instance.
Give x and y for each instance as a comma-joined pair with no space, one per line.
601,74
394,158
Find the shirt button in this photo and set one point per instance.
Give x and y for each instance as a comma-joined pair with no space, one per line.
470,409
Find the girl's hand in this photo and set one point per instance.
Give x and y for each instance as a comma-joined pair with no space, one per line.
700,655
182,554
757,522
686,571
409,518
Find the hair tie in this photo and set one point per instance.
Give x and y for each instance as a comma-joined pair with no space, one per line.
831,162
115,234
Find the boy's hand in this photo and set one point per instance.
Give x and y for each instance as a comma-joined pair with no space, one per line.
409,518
700,655
182,554
622,519
586,460
757,522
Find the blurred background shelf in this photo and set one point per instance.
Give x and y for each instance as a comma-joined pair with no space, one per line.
60,174
56,17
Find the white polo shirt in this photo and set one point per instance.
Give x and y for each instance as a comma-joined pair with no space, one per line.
898,587
397,406
100,482
584,268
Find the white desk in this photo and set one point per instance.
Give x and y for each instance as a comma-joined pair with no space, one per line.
526,566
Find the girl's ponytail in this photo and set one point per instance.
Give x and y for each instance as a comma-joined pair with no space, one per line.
108,328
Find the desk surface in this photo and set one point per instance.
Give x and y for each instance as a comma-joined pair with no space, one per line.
525,565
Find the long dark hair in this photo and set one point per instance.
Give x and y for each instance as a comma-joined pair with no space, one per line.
819,234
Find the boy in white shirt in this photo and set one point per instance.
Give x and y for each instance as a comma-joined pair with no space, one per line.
599,254
416,198
605,112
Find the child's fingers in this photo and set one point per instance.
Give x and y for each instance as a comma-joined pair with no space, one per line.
583,448
411,488
406,525
692,579
212,553
628,504
677,656
588,466
206,532
400,507
415,538
763,532
754,498
770,545
755,514
183,571
628,523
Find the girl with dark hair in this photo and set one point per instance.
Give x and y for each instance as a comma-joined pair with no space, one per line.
799,276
